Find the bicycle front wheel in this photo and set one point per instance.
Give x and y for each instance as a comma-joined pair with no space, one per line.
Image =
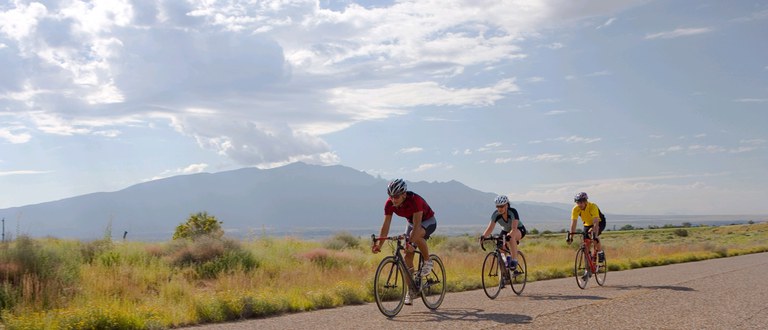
389,287
433,285
491,276
519,274
581,269
602,271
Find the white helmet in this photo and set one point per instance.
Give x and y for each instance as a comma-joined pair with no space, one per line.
501,200
396,187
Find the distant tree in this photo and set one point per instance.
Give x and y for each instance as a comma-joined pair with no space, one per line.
199,224
627,227
751,222
681,232
686,224
534,231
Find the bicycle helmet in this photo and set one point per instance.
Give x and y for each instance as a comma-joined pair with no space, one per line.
501,200
582,196
396,187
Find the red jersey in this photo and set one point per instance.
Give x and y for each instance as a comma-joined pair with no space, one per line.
413,203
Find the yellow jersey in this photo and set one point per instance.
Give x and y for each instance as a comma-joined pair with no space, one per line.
588,214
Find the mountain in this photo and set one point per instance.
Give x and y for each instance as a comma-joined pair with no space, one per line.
294,198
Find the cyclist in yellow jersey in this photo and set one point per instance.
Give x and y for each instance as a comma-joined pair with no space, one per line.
590,215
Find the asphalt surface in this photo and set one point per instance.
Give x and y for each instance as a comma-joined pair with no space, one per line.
721,293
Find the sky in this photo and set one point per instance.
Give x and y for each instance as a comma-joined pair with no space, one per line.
652,107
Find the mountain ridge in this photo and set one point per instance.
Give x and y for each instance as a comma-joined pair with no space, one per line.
251,200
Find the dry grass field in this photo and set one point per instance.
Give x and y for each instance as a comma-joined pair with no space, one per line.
62,284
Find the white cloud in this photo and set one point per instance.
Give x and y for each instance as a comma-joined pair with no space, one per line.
556,112
10,135
682,32
432,166
395,99
607,23
555,45
22,172
577,139
489,146
753,141
750,100
459,152
410,150
551,158
763,14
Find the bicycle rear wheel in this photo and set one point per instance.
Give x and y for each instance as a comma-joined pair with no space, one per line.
519,274
602,271
389,287
491,276
581,269
433,285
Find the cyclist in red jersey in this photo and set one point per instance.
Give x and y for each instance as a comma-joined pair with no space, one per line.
421,223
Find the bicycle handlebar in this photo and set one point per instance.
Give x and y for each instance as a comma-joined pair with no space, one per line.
489,238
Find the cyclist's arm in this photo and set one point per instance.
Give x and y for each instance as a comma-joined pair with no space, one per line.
489,229
384,229
573,225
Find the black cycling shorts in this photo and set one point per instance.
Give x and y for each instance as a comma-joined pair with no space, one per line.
587,228
522,233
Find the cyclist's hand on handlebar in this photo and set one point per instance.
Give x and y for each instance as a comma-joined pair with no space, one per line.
375,248
568,238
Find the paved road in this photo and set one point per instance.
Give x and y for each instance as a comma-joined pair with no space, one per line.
714,294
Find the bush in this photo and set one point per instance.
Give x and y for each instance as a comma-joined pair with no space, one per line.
681,232
200,224
35,276
91,250
627,227
210,256
341,241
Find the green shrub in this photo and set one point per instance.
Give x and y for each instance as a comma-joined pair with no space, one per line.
681,232
199,225
210,256
34,275
341,241
91,250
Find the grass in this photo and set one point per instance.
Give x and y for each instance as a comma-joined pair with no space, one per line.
60,284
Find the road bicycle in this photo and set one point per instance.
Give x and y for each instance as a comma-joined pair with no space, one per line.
392,278
496,275
584,267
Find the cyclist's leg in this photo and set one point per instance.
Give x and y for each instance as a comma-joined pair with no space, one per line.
598,244
586,234
421,235
513,239
409,255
